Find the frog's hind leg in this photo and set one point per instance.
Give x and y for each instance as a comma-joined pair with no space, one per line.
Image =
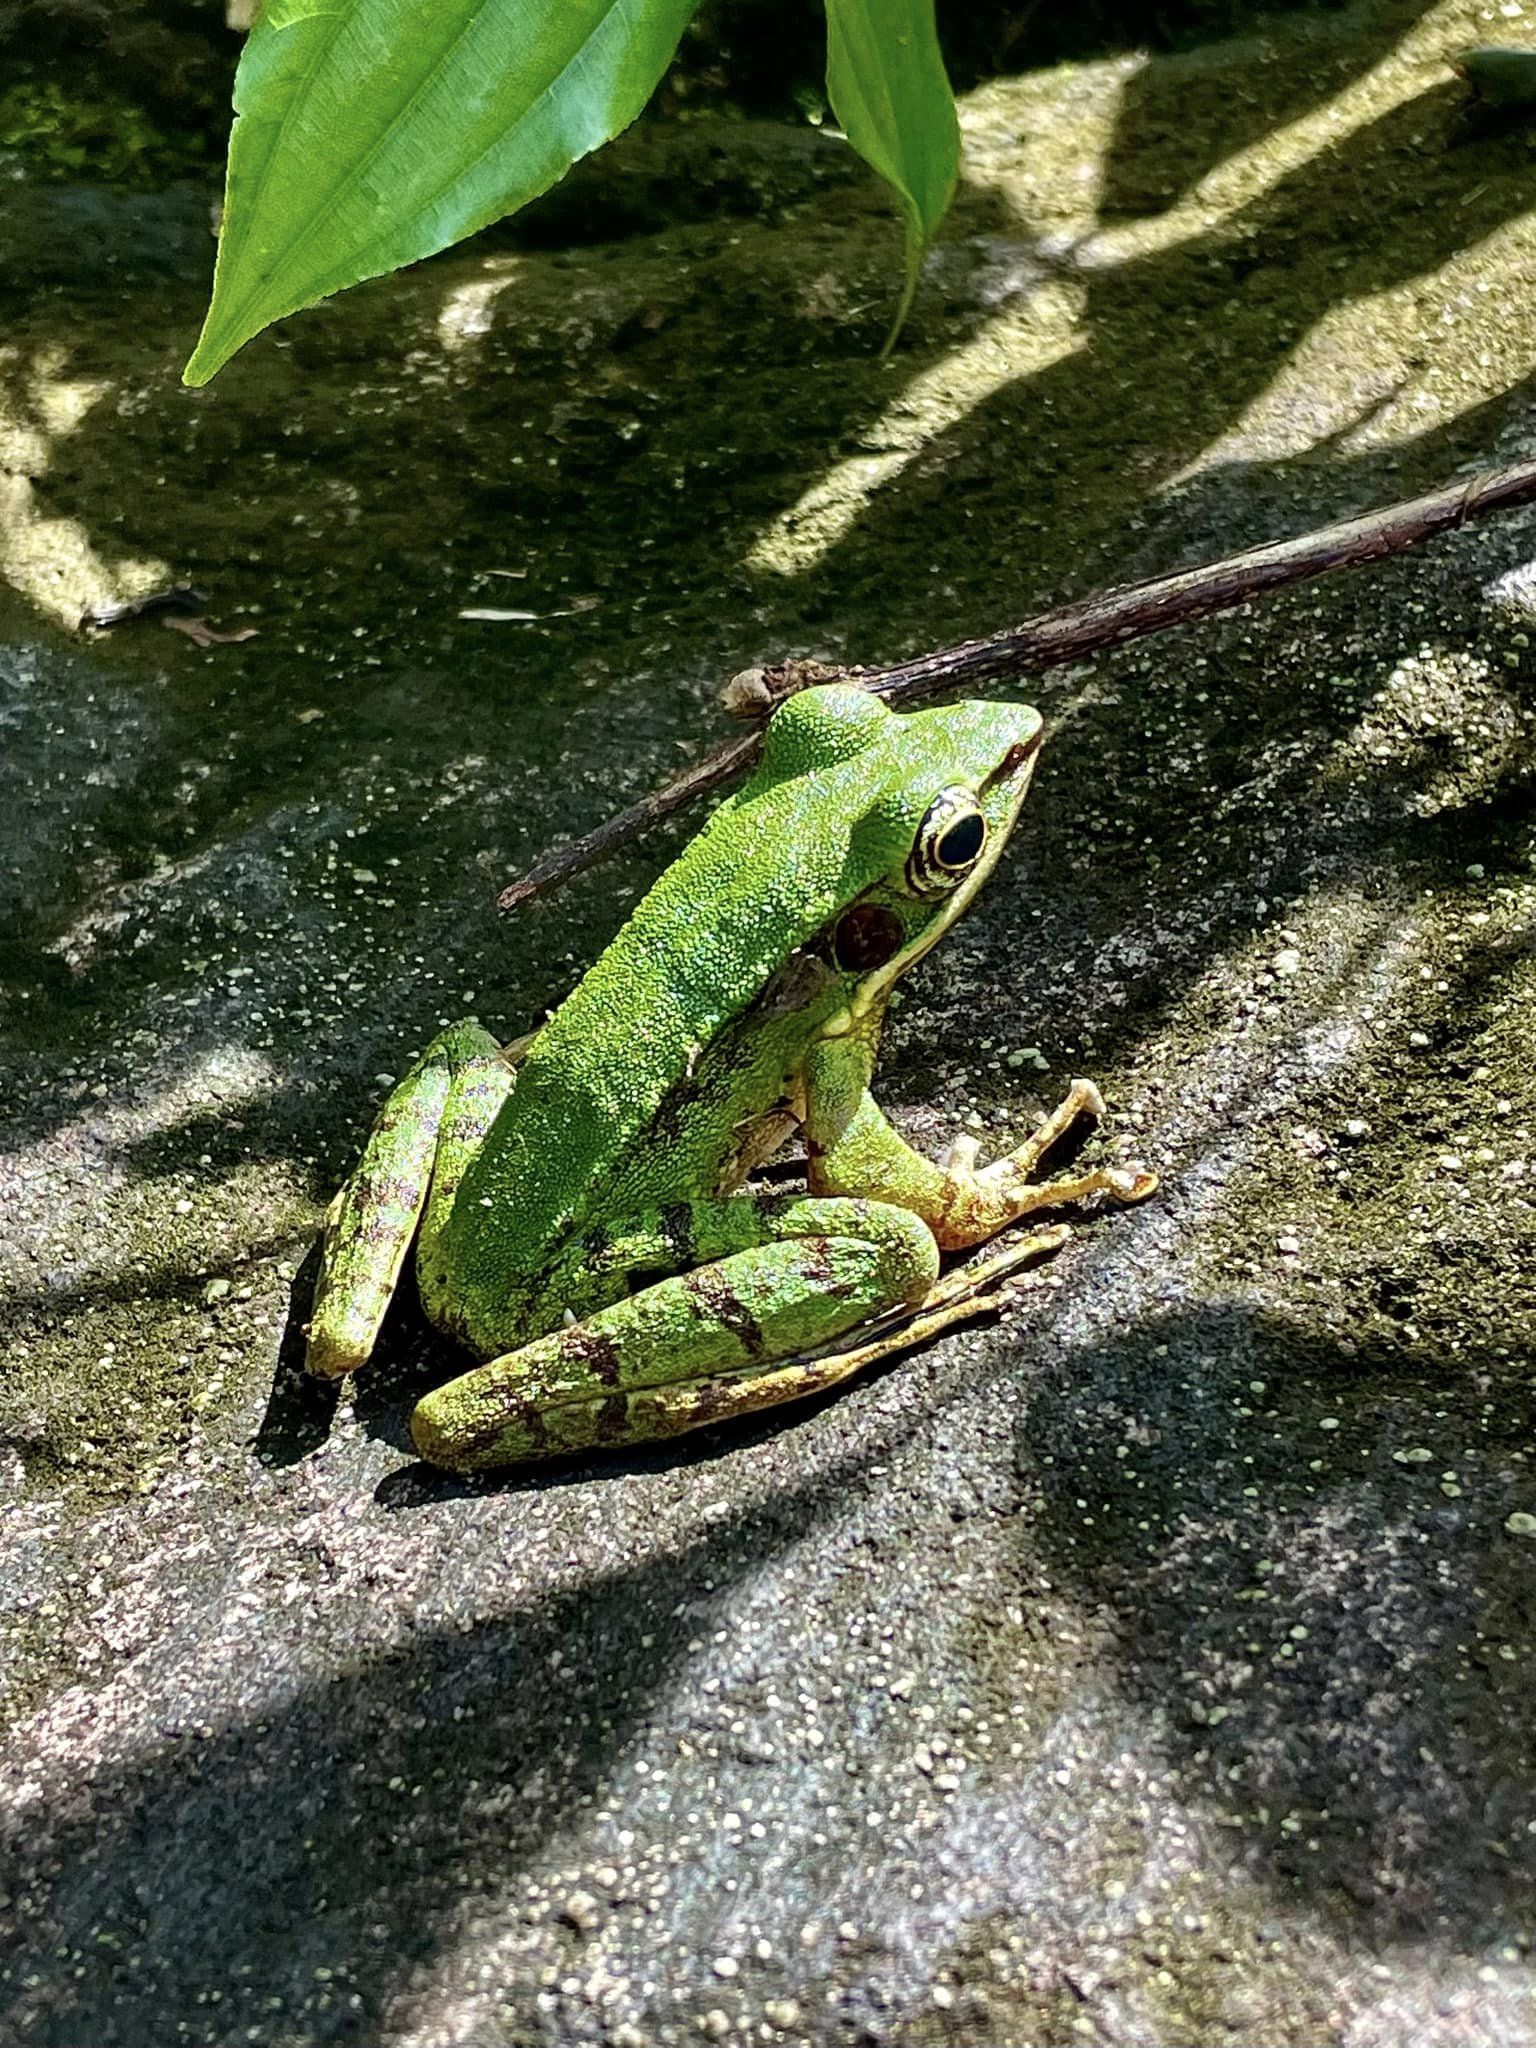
958,1297
424,1134
774,1281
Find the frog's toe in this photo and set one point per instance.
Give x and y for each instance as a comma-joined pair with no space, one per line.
331,1354
476,1421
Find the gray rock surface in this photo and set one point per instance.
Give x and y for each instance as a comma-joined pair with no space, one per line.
1153,1667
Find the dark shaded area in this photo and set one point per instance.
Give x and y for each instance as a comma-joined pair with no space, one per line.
326,1896
136,93
1328,1642
301,1407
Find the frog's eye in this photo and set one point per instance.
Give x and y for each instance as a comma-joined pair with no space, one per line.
949,842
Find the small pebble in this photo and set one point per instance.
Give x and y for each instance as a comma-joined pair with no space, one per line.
725,1966
581,1911
1288,1244
1286,963
1520,1523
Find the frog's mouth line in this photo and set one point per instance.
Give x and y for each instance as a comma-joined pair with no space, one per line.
1018,766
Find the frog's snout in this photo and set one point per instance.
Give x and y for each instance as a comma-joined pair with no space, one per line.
1016,764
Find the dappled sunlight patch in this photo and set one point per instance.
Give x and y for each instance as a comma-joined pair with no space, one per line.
1442,720
1302,358
1040,143
48,559
1381,370
468,313
1021,342
1421,60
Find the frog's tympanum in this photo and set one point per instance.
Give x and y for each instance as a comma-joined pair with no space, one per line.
580,1214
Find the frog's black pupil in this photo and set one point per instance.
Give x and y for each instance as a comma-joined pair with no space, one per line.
962,842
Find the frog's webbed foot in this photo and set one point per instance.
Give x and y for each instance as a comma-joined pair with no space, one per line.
973,1203
852,1149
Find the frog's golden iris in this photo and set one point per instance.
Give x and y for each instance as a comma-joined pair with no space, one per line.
949,842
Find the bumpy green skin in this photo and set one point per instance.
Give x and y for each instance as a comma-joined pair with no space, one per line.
698,1345
577,1225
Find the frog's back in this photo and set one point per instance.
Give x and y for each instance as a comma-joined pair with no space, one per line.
773,864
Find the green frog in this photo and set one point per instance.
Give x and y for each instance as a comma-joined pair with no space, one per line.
579,1202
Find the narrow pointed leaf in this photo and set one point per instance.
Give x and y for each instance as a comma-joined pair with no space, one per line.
371,133
888,88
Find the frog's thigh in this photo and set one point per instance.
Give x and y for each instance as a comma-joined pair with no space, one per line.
422,1133
697,1346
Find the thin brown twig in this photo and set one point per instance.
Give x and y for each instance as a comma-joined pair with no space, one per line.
1070,633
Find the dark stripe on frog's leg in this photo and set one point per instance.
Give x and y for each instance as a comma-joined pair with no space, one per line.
611,1261
594,1352
817,1270
370,1224
719,1299
677,1230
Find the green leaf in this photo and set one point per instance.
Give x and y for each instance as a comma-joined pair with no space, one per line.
375,132
889,90
1500,78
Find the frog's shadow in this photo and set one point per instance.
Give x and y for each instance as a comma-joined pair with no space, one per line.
411,1357
300,1408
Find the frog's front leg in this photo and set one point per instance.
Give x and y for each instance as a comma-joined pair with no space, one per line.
773,1280
423,1138
850,1146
